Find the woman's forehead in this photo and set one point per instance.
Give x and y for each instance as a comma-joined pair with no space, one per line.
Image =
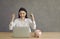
22,12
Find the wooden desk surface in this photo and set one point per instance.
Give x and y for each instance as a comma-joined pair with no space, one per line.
45,35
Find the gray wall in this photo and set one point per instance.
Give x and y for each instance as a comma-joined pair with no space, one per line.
47,13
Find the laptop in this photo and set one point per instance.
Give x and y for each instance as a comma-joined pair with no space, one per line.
21,32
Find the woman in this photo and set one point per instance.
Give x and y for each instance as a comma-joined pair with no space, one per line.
23,20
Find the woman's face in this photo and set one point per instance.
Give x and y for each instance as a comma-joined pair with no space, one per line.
22,13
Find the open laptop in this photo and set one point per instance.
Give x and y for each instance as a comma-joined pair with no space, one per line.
21,32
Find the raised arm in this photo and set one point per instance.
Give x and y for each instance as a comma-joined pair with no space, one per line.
33,23
12,22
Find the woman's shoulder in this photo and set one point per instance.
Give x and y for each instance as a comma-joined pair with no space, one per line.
28,19
25,18
16,19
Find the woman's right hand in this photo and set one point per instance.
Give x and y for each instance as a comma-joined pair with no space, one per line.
13,17
11,23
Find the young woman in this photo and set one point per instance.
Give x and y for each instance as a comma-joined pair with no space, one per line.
23,20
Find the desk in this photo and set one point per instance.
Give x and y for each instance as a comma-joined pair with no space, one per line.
45,35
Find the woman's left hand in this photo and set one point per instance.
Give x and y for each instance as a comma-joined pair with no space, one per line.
32,16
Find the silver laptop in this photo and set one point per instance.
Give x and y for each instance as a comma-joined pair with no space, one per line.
21,32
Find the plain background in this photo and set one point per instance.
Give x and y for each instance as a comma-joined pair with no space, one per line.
46,12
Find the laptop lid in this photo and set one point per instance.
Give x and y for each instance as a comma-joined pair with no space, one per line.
21,32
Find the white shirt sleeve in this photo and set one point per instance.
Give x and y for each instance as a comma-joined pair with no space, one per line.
12,24
32,24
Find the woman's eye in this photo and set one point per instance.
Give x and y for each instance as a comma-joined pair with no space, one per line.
23,13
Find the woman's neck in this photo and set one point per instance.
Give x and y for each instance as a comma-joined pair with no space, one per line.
22,18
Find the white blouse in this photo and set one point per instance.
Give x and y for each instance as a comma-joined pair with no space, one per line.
19,23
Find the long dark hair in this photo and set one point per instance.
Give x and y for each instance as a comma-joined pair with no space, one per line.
22,9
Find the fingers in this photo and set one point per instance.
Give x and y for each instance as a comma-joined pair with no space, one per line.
31,14
13,16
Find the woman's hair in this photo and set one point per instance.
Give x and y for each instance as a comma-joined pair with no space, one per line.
22,9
